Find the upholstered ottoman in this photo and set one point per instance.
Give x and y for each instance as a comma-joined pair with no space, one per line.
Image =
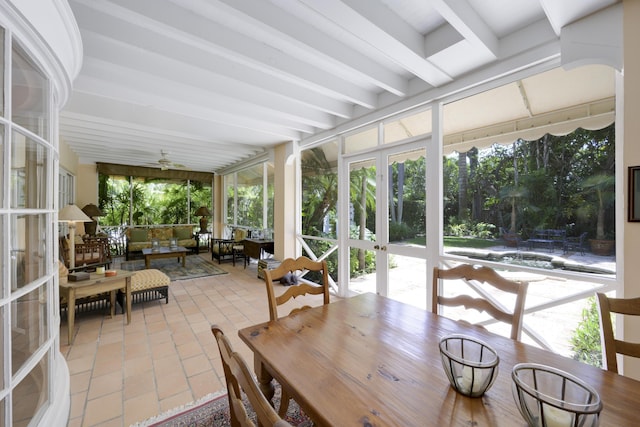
148,285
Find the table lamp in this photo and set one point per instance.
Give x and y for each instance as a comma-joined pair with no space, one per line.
203,212
72,214
92,212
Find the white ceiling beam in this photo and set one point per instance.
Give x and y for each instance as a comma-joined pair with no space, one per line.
278,27
246,80
204,83
196,31
468,23
110,81
377,25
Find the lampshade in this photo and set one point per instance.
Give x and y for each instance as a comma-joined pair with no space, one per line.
72,213
203,211
92,210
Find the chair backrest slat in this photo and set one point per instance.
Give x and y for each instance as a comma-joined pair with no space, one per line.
487,275
610,345
291,265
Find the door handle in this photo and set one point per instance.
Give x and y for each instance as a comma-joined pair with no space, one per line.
383,248
376,247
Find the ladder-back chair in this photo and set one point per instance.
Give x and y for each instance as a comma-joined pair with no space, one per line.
239,377
610,345
487,275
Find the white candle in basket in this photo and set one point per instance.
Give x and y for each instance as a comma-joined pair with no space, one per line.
468,378
554,417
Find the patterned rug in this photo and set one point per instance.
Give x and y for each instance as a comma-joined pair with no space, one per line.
213,411
195,267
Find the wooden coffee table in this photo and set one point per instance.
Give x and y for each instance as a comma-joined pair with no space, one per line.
164,252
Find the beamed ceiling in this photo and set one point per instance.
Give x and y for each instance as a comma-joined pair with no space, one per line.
214,82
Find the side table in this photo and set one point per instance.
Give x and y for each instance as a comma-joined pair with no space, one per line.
97,284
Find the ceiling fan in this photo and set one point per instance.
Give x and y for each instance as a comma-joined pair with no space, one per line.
166,164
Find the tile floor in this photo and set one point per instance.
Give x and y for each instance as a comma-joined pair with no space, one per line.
166,357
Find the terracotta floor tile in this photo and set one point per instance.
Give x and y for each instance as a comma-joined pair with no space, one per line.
140,407
195,365
103,409
105,384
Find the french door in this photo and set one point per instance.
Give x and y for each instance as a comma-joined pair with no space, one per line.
387,243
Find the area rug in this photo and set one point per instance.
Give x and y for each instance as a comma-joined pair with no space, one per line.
213,411
195,266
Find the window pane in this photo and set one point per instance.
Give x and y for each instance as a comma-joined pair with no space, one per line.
28,173
230,198
31,394
28,249
270,193
250,197
29,328
535,203
320,190
29,94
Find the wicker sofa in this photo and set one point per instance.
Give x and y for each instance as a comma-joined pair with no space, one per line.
139,238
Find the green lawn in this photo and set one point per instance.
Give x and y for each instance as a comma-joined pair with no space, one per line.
463,242
469,242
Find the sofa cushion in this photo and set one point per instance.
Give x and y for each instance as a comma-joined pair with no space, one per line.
182,233
162,233
138,235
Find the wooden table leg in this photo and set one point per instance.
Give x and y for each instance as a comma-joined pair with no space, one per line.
184,259
147,262
128,294
71,314
265,379
113,303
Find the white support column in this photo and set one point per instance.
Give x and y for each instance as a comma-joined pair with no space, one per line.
434,196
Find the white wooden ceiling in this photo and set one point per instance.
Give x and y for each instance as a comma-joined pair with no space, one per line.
214,82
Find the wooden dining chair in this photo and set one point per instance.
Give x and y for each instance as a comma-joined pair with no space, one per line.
289,269
487,275
610,345
239,377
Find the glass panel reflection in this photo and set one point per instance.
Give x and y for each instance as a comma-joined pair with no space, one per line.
2,160
29,325
320,190
31,394
2,97
28,249
30,94
363,281
28,173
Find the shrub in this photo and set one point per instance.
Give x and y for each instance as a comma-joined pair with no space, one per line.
585,341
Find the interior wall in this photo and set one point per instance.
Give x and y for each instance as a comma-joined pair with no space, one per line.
86,185
631,132
68,159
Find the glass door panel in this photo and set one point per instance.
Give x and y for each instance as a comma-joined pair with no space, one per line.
387,243
362,224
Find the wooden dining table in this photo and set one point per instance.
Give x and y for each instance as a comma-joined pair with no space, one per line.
373,361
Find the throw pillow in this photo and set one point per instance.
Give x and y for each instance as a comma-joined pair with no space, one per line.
182,233
138,235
